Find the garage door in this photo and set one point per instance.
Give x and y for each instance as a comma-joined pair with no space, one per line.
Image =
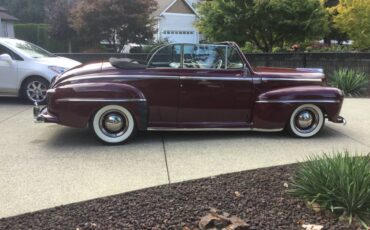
180,36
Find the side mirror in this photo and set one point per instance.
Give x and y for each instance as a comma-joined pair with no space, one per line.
6,58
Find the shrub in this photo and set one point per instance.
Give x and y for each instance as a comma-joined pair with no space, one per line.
338,182
352,82
38,34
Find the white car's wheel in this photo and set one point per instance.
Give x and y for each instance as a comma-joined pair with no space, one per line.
306,121
113,124
34,90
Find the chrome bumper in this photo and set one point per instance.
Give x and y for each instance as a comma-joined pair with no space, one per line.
341,120
37,111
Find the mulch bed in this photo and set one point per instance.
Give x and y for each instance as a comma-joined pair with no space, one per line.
258,197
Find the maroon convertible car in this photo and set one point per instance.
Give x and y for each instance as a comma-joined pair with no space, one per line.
190,87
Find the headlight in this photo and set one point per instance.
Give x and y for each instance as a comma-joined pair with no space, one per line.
57,69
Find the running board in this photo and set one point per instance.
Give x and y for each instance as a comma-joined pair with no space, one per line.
212,129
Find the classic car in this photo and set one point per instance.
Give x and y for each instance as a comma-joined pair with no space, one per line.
190,87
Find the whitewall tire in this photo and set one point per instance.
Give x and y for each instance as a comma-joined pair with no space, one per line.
306,121
113,124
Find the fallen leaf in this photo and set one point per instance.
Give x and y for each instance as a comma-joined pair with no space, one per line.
300,222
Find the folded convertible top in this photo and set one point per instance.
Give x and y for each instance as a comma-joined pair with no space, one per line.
126,63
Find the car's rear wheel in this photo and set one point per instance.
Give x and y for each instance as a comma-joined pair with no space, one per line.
306,121
113,124
34,90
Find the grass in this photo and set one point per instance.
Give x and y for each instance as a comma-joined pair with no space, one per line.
352,82
337,182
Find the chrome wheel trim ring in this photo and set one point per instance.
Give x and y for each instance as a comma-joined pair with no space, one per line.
113,123
36,91
316,125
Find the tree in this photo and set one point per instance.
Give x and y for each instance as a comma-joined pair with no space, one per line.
334,33
57,16
265,23
28,11
119,22
354,19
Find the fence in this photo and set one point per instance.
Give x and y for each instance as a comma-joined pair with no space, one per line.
328,61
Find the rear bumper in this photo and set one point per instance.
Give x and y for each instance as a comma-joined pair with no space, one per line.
41,115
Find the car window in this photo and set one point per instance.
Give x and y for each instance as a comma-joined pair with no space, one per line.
167,57
30,49
234,60
204,56
5,50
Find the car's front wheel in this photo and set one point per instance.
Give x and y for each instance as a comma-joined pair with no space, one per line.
113,124
34,90
306,121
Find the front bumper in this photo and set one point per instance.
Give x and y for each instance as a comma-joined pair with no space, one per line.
41,115
340,120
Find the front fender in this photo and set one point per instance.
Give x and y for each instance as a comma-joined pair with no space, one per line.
273,108
75,104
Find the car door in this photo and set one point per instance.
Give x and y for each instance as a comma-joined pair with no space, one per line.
161,87
216,91
8,74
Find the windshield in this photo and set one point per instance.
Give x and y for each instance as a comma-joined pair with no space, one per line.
30,49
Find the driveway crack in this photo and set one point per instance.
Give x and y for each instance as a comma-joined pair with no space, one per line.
360,142
165,158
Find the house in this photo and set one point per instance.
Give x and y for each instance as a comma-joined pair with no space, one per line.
7,23
176,21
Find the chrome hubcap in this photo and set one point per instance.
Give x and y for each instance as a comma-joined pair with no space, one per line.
306,120
36,91
113,123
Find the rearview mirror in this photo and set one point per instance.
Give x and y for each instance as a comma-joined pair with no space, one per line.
6,58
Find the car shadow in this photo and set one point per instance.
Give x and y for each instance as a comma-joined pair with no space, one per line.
71,137
13,101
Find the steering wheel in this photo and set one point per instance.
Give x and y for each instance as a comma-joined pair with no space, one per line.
218,64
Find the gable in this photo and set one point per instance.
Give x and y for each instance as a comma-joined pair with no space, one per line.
181,7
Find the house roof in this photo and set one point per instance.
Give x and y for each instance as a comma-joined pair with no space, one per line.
5,16
164,5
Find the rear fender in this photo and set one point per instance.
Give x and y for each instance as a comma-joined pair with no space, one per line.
274,108
75,104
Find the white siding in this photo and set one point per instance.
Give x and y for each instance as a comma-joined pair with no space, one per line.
6,29
180,26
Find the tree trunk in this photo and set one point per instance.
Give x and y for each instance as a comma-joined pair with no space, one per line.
69,46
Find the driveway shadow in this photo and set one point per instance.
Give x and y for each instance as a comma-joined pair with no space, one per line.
12,101
70,137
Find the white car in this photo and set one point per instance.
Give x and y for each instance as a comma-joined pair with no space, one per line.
26,70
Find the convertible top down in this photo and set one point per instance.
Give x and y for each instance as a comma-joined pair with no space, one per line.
190,87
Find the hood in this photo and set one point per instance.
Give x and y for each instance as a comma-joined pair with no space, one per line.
58,61
80,70
290,72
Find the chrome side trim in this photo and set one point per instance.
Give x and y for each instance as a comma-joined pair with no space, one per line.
218,78
124,76
98,100
212,129
298,101
291,79
264,79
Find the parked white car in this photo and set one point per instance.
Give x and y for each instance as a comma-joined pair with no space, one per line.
26,70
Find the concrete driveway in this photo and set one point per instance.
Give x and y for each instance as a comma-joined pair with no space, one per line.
46,165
